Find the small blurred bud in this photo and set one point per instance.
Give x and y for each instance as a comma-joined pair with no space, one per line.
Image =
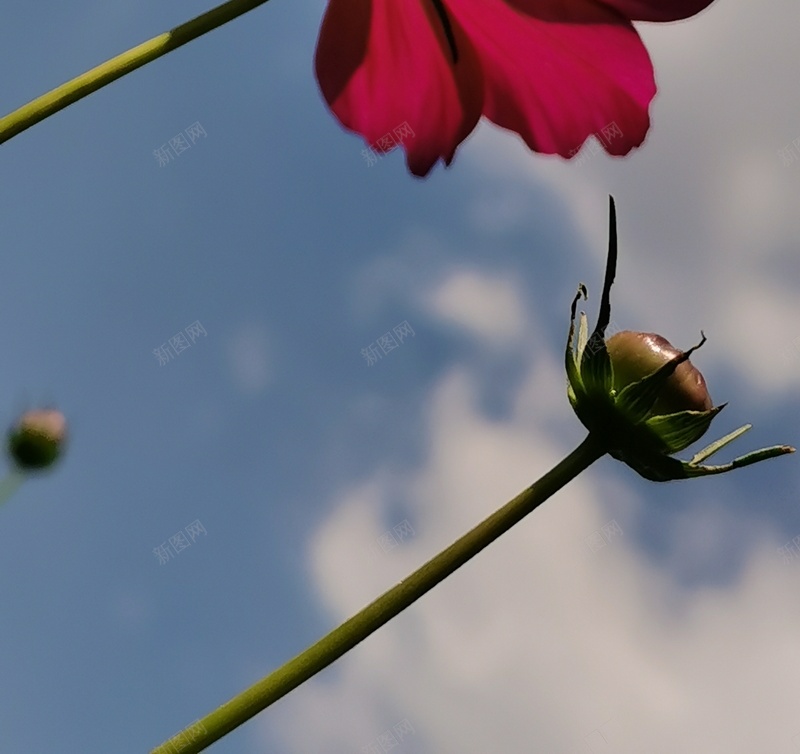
634,355
37,439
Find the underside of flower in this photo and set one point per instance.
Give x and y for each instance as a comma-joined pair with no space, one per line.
448,28
420,74
641,396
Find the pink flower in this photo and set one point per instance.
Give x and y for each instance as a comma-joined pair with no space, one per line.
421,73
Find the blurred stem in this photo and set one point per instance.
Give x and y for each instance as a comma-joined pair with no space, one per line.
83,85
10,485
272,687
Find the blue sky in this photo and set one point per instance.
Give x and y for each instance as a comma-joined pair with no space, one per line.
298,458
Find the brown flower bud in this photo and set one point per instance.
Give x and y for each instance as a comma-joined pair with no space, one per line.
36,440
640,397
635,355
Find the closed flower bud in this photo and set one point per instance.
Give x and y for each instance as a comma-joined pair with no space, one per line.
636,354
37,439
640,396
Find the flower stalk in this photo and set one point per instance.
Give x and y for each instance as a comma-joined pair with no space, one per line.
330,648
115,68
10,484
624,416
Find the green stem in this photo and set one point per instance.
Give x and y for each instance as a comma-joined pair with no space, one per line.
272,687
10,485
83,85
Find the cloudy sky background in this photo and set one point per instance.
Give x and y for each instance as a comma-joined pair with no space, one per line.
680,633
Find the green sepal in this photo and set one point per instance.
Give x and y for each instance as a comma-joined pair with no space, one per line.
755,456
663,468
653,466
717,445
575,389
583,333
679,431
596,374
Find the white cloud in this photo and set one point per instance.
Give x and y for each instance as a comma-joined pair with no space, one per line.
490,309
708,223
540,643
391,275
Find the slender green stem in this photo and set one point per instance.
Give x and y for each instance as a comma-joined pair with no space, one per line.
83,85
269,689
10,484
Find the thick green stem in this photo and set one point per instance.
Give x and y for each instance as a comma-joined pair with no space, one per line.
83,85
269,689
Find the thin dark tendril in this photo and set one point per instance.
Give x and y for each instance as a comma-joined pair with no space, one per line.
448,29
611,271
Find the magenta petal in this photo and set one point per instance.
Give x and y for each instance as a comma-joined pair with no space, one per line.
557,72
657,10
342,44
382,64
420,73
